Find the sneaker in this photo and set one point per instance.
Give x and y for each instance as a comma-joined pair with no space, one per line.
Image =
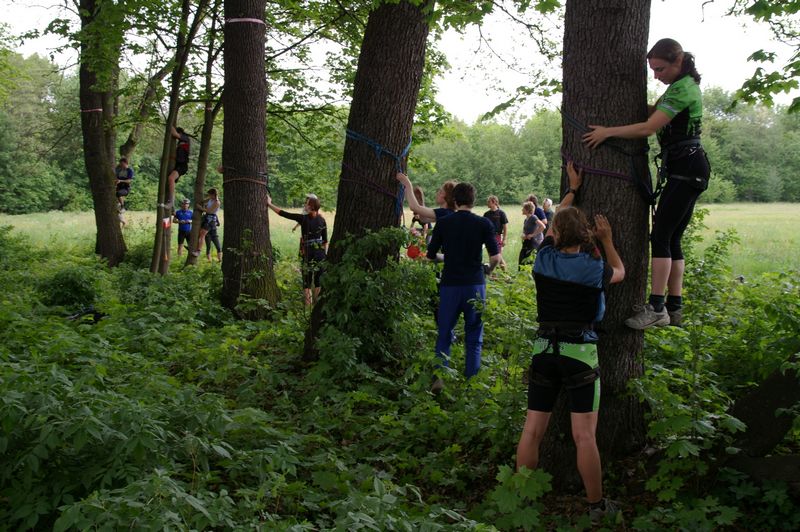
437,386
647,317
599,511
676,317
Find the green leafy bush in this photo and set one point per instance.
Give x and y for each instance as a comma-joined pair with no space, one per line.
71,287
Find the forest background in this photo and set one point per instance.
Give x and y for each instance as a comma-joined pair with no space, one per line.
755,151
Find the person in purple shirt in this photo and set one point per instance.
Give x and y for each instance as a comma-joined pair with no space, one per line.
463,284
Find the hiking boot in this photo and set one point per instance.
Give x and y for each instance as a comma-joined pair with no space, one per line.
646,317
676,317
437,386
599,511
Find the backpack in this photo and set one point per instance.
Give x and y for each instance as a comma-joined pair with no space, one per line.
182,152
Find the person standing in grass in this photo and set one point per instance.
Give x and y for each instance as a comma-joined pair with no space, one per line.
444,200
499,220
532,230
570,278
547,207
463,287
314,236
183,217
209,223
124,177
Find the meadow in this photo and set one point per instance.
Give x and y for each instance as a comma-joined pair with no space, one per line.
767,232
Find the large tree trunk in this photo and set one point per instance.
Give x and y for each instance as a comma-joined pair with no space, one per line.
390,68
247,264
161,245
98,109
605,83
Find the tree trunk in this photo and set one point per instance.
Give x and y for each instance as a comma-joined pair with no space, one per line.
209,117
247,264
126,149
387,83
161,246
97,118
605,83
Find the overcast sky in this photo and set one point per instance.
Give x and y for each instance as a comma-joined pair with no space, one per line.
474,86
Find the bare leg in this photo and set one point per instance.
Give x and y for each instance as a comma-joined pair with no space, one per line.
307,295
675,280
200,239
583,431
659,275
171,178
532,434
316,294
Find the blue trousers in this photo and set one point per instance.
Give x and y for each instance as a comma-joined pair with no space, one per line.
453,301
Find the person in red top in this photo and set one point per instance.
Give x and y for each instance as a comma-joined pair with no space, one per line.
181,162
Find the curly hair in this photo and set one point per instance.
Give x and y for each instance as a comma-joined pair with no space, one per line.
572,228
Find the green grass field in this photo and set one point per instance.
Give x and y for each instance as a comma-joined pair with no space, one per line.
768,232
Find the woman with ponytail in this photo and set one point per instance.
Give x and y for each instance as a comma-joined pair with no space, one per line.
676,118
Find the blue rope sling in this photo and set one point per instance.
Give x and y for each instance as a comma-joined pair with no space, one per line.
381,150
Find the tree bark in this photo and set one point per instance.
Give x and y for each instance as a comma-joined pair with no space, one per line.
127,148
209,117
98,109
605,83
161,245
247,264
386,88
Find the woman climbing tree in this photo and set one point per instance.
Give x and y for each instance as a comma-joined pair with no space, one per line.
676,117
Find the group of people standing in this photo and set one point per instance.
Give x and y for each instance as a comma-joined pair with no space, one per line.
537,219
570,273
209,224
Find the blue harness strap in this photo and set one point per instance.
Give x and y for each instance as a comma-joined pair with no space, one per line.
381,150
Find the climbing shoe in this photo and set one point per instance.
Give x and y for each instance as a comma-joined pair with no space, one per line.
676,317
600,510
646,317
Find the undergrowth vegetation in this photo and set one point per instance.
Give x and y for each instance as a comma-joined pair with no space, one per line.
131,401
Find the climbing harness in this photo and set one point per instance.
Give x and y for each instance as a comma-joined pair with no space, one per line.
381,150
570,382
676,151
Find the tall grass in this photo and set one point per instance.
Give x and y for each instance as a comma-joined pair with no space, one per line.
768,232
